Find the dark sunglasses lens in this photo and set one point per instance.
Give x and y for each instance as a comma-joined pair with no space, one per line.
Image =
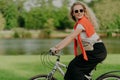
81,10
76,11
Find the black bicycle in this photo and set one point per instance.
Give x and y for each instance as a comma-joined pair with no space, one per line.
58,66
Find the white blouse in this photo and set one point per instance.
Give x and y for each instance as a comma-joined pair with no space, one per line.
88,41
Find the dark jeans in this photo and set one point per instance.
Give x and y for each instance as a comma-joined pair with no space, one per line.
78,67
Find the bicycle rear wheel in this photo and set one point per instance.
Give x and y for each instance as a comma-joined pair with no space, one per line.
41,77
109,77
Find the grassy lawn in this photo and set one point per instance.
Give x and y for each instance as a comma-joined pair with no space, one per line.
23,67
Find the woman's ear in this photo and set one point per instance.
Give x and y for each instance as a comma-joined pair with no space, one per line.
73,14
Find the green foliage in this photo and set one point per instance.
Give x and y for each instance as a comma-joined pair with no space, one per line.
48,27
2,22
105,11
21,13
10,13
114,26
62,19
21,33
117,22
37,18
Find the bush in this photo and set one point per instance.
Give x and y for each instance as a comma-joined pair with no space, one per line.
21,33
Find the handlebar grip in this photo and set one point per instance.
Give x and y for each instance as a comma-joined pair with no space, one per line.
50,52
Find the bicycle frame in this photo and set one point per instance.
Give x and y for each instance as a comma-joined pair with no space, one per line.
58,66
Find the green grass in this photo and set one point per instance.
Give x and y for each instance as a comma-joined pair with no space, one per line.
24,67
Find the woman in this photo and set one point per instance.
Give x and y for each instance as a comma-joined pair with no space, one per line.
84,35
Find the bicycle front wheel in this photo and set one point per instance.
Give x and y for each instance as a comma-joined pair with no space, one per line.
109,77
42,77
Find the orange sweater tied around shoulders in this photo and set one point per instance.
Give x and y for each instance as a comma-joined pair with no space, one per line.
89,29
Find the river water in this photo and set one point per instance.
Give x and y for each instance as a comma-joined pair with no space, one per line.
37,46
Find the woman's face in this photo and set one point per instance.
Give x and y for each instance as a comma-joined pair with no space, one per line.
78,11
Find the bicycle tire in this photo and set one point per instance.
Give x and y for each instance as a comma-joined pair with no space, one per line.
41,77
109,77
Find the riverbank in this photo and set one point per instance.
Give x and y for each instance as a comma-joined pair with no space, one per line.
21,33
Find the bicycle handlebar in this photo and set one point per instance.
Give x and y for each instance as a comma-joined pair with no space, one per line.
53,54
57,55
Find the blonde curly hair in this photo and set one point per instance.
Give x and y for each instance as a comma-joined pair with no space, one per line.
88,13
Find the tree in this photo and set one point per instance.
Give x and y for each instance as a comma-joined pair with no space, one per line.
9,11
105,15
21,13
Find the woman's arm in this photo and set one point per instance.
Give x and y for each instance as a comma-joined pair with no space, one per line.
66,41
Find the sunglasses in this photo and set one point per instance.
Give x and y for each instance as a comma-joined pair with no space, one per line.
81,10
